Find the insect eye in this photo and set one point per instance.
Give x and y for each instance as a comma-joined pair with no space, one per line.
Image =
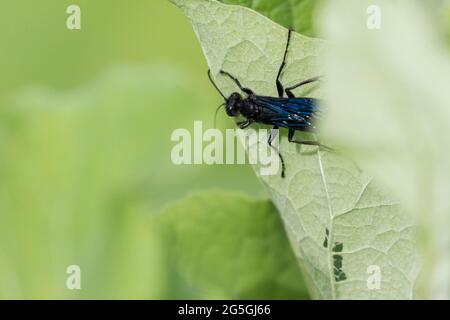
232,109
233,105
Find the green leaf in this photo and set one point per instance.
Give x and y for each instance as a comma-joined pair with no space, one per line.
396,122
294,14
227,245
325,200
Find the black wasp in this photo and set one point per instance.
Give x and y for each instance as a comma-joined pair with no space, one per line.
295,114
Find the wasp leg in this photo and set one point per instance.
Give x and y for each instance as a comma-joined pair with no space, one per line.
244,124
289,90
238,83
306,142
272,135
283,64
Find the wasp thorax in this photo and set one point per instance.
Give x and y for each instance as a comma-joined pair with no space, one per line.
249,109
234,104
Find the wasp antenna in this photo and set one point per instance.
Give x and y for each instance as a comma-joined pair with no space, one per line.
215,85
215,114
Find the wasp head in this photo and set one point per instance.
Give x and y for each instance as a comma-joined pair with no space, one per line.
234,104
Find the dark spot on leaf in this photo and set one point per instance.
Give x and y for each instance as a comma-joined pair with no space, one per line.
338,246
337,261
339,274
325,242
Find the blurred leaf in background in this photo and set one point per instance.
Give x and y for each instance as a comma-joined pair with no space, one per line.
389,108
446,18
228,246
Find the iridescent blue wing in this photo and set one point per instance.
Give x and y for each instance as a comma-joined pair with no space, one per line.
295,113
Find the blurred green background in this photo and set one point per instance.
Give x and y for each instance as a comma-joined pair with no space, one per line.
85,123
